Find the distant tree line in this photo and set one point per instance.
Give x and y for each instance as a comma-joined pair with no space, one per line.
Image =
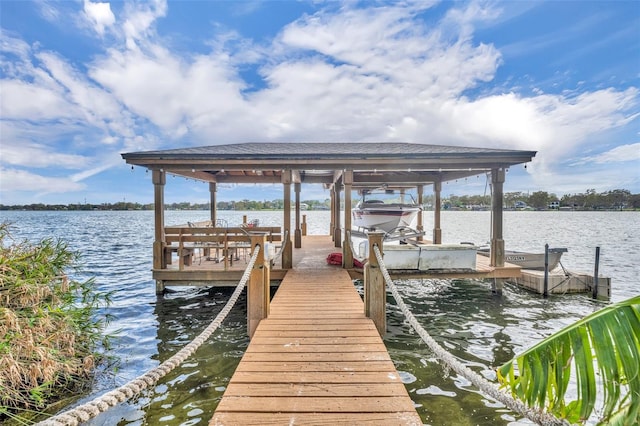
617,199
122,205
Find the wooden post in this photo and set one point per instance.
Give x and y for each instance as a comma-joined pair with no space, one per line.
437,231
333,214
545,288
244,220
337,230
258,290
420,226
287,250
347,254
497,241
596,274
375,293
303,227
497,285
298,232
159,179
213,208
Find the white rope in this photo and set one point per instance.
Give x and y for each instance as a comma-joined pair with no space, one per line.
285,241
127,391
489,388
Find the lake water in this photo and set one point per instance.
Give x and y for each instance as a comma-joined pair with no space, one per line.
481,329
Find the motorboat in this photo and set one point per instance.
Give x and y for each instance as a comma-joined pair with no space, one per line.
384,210
527,260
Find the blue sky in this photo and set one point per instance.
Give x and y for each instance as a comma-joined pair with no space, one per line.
82,82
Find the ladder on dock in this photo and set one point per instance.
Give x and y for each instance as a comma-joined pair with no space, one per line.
317,359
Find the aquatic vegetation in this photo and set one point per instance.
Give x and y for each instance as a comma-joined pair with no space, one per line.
49,330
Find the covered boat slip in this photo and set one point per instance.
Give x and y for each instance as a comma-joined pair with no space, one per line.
339,167
203,269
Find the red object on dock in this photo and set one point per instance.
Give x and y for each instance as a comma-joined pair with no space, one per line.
334,259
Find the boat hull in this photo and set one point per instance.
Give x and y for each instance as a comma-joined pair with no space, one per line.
384,219
526,260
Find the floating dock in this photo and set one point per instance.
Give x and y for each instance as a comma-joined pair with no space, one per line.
316,359
563,282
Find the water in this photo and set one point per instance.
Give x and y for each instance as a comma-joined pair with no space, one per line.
481,329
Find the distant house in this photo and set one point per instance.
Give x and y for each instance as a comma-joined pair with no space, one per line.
520,205
554,205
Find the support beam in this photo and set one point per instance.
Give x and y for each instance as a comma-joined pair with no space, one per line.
213,190
258,290
333,213
287,250
159,179
298,232
437,207
337,230
347,254
375,293
497,241
420,225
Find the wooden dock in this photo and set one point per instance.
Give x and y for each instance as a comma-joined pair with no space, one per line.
316,359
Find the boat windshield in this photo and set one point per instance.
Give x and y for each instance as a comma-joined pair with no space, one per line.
387,197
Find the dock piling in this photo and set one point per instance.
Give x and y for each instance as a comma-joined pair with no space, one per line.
303,226
375,294
258,295
545,291
596,273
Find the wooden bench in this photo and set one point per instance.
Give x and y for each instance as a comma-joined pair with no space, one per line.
185,252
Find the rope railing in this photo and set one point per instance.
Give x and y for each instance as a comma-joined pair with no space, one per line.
127,391
487,387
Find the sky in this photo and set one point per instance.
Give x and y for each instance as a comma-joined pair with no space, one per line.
82,82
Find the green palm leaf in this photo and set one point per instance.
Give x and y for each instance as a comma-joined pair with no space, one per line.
602,354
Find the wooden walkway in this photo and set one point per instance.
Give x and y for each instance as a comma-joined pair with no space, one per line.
316,360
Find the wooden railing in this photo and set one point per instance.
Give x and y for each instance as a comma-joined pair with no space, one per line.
185,240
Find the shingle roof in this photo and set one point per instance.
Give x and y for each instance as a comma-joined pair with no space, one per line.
327,150
322,162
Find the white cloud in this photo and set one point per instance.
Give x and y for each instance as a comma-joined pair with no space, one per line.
619,154
114,161
93,104
48,10
13,46
99,14
14,180
379,73
40,156
24,100
140,19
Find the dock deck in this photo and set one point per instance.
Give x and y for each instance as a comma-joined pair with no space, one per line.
316,359
315,248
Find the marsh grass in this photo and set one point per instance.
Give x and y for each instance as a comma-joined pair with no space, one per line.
49,331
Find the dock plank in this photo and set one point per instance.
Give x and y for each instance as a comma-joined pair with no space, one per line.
316,360
316,366
313,419
317,389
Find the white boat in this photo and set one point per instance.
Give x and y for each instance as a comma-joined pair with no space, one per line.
384,210
530,260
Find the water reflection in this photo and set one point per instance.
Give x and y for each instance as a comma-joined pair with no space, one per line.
191,392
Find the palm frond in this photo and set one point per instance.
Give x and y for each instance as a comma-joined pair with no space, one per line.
602,354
